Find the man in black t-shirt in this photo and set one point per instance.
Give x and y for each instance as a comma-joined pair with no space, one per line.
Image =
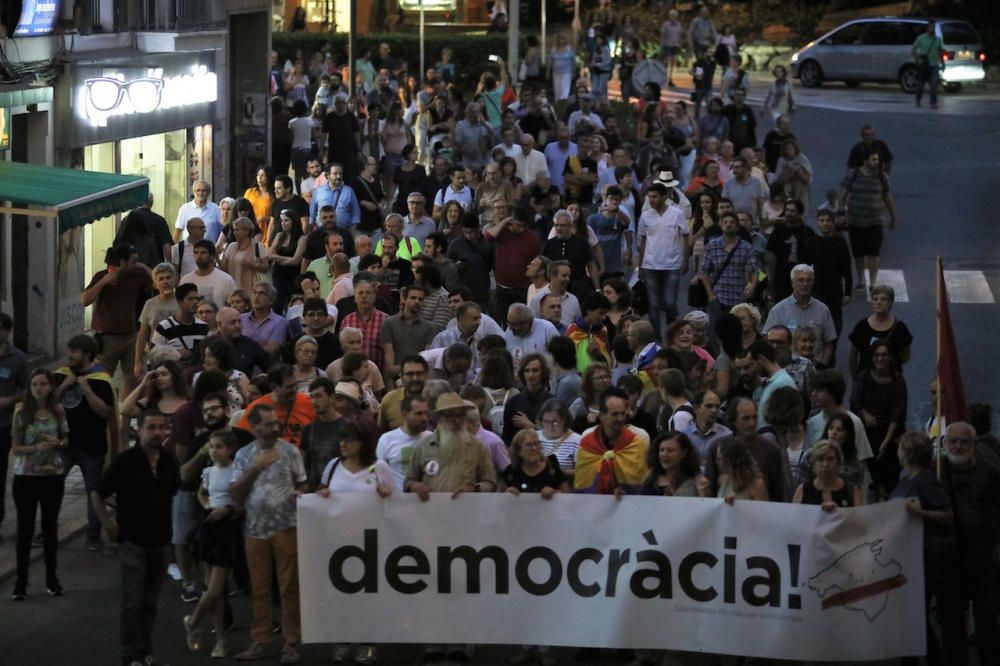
786,248
144,480
343,136
286,199
575,249
85,392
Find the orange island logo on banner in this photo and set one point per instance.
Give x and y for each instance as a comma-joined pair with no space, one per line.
759,579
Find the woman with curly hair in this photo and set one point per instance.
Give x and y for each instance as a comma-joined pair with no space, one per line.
674,467
739,474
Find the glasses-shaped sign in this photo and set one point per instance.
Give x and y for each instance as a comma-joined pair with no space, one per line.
106,94
113,94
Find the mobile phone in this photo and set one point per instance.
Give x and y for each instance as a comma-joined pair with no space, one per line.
494,58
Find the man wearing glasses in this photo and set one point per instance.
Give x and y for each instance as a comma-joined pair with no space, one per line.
202,208
974,489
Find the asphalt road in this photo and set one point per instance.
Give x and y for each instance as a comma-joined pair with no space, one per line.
945,180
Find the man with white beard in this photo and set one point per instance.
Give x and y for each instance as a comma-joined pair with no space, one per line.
450,460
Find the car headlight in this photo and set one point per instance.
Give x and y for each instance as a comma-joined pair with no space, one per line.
795,57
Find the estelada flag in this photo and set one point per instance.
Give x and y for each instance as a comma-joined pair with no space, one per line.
953,405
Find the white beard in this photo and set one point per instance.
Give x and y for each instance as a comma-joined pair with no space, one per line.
958,460
449,440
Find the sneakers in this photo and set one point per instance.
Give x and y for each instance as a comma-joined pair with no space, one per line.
20,593
341,654
191,635
189,593
94,545
289,655
54,589
219,651
255,651
365,655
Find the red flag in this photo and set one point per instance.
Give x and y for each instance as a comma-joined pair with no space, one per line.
952,392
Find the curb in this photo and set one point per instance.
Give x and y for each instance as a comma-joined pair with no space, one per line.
38,553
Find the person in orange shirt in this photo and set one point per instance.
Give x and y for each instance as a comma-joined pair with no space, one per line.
261,196
294,410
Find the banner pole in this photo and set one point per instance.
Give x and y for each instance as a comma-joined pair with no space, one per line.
939,279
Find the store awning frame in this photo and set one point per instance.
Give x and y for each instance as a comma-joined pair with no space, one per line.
73,196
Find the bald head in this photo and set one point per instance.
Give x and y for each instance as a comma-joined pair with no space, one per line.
643,333
228,322
341,264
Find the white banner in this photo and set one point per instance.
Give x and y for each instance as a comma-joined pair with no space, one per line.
758,579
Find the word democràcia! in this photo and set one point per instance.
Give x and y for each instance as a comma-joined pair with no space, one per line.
763,588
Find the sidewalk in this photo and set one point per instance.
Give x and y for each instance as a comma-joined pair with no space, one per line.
72,521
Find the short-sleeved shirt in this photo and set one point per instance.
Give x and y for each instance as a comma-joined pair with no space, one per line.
865,197
406,337
293,421
464,197
396,448
933,497
320,445
551,476
114,310
210,214
609,232
575,249
339,479
144,499
863,336
155,310
178,335
217,286
87,430
816,316
274,329
664,238
745,196
270,504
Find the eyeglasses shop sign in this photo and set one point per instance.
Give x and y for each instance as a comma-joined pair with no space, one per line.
140,92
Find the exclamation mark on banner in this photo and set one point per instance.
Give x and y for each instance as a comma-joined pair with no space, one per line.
794,600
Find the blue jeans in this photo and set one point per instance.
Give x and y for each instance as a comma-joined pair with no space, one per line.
662,286
143,570
932,81
91,466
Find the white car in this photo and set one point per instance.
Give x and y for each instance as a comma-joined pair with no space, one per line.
880,49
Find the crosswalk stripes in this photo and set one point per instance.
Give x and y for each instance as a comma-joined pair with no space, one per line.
892,278
966,287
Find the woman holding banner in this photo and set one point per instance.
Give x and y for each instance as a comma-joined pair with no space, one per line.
828,489
356,471
927,499
674,467
531,471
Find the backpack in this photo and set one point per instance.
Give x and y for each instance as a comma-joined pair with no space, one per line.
495,414
180,258
683,408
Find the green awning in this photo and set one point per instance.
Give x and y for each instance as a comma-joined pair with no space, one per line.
76,197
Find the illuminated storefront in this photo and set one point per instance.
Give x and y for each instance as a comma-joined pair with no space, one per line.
151,116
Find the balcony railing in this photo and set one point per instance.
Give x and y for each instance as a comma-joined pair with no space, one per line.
151,15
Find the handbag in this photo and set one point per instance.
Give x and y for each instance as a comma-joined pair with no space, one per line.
697,294
257,276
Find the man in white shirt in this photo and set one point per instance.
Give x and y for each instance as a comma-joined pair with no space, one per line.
182,252
529,161
558,273
213,283
396,446
457,190
527,334
585,114
199,207
507,145
316,179
663,254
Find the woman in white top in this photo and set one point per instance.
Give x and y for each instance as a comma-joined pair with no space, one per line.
301,128
779,99
556,437
356,471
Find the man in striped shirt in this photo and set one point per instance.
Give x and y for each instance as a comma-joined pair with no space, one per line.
368,320
182,331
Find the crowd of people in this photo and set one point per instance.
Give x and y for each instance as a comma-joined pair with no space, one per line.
432,296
